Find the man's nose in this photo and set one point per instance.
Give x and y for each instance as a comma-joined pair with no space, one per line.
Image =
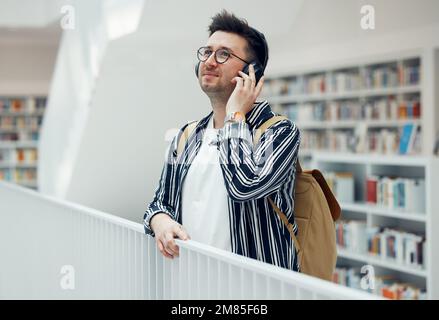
211,62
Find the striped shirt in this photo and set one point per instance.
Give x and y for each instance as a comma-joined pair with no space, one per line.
251,175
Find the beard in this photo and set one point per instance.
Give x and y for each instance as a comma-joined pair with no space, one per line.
216,89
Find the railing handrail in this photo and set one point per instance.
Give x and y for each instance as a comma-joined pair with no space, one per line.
288,276
93,212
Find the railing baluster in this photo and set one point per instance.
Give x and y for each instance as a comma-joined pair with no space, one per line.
224,283
159,276
142,249
166,274
119,262
212,280
298,293
152,257
137,266
191,285
183,267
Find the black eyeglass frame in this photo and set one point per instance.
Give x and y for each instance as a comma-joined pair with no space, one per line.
216,57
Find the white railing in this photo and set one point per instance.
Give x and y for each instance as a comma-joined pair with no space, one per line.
52,249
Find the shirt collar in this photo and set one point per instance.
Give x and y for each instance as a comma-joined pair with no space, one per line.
260,113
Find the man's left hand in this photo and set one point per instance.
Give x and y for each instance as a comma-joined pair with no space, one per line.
245,93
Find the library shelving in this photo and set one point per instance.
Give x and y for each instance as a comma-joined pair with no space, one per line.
369,124
362,215
21,118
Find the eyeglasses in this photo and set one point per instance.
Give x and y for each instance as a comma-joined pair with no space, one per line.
221,55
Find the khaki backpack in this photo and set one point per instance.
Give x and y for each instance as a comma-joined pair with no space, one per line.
315,210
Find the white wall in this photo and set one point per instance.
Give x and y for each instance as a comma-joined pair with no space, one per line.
29,13
326,31
26,68
147,84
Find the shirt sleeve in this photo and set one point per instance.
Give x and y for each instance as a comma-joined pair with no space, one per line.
165,193
256,173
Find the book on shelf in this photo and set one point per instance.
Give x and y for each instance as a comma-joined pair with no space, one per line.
379,77
396,193
402,247
360,135
349,277
5,174
361,139
24,175
383,285
17,105
314,100
409,75
382,109
371,189
351,234
342,185
28,155
407,138
372,76
19,136
20,120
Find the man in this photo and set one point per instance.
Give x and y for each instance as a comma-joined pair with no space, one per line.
216,191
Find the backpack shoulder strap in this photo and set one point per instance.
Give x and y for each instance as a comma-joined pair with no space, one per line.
265,126
184,136
289,226
281,215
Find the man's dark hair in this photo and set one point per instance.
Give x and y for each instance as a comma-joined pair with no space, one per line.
228,22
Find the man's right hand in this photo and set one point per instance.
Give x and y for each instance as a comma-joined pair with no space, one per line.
166,229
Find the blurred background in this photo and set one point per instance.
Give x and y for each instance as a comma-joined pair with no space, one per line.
91,92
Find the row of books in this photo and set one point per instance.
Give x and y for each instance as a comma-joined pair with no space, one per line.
351,235
19,175
20,155
342,185
374,77
8,122
380,109
20,135
405,140
344,81
331,141
22,105
409,75
385,286
401,247
396,193
381,77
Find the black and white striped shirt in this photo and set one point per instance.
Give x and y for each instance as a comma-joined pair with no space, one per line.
251,174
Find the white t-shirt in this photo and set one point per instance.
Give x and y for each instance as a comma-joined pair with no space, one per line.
205,213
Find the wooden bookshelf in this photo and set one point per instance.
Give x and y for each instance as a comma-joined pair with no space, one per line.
370,93
21,117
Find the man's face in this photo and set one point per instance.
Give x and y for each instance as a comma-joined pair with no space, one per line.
215,78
